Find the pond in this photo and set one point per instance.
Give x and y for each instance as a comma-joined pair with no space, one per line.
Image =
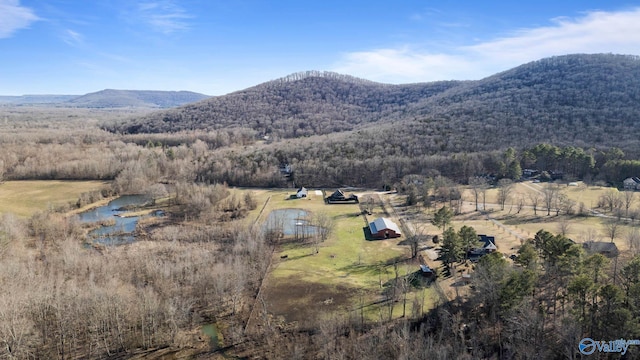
121,231
211,331
291,222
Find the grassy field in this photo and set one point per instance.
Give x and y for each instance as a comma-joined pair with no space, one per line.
24,198
348,273
526,223
510,227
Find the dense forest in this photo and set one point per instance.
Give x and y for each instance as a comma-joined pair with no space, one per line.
339,130
579,100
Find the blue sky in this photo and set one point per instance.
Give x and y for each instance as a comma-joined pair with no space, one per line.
216,47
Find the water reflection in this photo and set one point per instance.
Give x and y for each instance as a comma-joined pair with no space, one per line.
120,229
290,222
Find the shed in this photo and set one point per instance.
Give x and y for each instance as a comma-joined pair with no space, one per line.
383,228
302,193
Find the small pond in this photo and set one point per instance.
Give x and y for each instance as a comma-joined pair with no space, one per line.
291,221
211,331
121,232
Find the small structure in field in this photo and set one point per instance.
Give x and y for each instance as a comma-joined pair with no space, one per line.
383,228
339,197
607,249
425,270
302,193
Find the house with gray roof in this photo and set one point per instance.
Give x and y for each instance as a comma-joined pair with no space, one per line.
632,183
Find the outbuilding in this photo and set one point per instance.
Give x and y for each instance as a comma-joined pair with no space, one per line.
302,193
383,228
607,249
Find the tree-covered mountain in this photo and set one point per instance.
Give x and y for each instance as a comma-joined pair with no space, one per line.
579,100
582,100
135,98
301,104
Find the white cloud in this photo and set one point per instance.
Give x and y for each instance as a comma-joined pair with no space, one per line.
403,65
595,32
72,38
164,16
14,17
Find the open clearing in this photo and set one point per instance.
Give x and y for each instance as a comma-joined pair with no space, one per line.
348,274
510,227
24,198
351,274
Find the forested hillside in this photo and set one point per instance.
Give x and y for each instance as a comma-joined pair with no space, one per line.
301,104
579,100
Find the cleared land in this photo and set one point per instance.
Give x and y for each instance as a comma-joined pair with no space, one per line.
348,274
511,227
352,274
24,198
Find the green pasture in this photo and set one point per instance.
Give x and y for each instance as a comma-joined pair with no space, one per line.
348,272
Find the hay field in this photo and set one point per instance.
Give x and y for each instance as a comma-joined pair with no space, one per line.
23,198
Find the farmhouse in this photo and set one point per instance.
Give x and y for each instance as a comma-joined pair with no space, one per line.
528,173
339,197
383,228
632,183
488,246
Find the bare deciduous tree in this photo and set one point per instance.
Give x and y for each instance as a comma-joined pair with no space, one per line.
324,226
633,239
564,226
478,186
590,235
520,203
612,228
504,191
628,198
549,193
534,199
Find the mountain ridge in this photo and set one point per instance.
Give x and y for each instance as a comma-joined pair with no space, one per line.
109,98
112,98
578,99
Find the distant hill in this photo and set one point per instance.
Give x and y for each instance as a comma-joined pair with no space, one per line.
135,98
36,99
581,100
